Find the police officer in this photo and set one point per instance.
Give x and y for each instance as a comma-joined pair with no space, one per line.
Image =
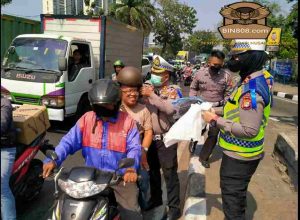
157,95
242,128
214,85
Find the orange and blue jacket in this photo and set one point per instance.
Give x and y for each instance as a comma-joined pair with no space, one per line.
103,144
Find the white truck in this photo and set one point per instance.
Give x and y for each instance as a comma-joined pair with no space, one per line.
36,67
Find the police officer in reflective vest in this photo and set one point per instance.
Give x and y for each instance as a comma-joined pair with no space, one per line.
243,125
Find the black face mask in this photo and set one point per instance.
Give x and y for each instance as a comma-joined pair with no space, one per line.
104,112
215,69
234,65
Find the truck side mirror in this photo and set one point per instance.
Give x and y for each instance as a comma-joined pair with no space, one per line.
62,63
11,50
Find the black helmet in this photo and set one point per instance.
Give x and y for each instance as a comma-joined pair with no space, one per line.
105,91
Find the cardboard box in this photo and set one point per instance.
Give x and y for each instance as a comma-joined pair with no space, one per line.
32,120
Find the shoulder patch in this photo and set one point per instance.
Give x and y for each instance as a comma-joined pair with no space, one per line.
246,102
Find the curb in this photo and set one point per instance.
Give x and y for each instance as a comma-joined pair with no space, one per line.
195,202
285,95
286,154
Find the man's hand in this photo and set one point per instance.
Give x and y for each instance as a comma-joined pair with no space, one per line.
47,168
144,162
130,176
147,90
208,116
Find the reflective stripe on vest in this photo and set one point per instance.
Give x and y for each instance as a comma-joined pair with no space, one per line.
246,147
116,134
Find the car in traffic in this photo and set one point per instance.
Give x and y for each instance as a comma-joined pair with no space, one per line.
146,68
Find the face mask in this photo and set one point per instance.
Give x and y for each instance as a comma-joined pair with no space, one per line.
156,80
215,69
234,65
104,112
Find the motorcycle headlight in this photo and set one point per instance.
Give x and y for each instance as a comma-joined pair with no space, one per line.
80,190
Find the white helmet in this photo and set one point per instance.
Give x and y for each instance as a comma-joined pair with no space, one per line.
239,46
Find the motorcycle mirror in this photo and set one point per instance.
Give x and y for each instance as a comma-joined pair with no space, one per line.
51,154
126,162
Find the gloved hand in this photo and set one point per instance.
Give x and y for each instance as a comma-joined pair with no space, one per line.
47,168
144,162
130,176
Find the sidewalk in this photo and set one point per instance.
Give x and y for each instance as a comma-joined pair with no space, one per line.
268,197
286,88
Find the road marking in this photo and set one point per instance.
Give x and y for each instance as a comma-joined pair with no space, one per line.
273,119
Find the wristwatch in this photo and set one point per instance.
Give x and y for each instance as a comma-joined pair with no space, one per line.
213,122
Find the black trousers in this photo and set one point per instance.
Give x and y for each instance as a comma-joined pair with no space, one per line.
209,143
159,156
235,176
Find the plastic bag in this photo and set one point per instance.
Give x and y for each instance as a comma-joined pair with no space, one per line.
182,105
189,126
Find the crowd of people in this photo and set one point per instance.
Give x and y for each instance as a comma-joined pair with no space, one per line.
129,118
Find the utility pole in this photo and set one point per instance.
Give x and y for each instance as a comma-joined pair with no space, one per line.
105,7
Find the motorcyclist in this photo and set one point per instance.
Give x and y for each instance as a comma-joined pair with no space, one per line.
105,136
8,152
118,65
187,70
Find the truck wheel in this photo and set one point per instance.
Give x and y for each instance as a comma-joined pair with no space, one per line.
83,107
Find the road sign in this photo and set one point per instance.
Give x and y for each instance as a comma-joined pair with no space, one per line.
274,37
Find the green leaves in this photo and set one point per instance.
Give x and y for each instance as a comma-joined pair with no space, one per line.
173,20
4,2
137,13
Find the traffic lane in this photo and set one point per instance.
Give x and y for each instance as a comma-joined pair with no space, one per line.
284,110
41,207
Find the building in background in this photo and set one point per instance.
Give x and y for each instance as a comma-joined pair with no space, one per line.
73,7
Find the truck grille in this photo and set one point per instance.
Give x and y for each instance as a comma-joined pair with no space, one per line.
21,99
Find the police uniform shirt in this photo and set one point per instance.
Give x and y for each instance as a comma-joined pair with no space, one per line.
212,87
250,119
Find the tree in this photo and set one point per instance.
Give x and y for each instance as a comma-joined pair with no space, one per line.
172,20
137,13
289,44
5,2
202,41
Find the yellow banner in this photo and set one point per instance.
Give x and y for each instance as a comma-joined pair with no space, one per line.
274,37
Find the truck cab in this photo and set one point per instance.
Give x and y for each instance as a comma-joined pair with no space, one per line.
37,70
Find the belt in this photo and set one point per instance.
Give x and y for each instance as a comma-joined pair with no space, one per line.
158,137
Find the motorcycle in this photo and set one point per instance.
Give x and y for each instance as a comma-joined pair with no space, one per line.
26,181
187,80
85,192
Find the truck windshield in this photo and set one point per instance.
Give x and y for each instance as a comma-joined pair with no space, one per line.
35,53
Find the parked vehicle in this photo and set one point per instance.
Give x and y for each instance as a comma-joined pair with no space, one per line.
37,67
85,193
146,68
26,181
